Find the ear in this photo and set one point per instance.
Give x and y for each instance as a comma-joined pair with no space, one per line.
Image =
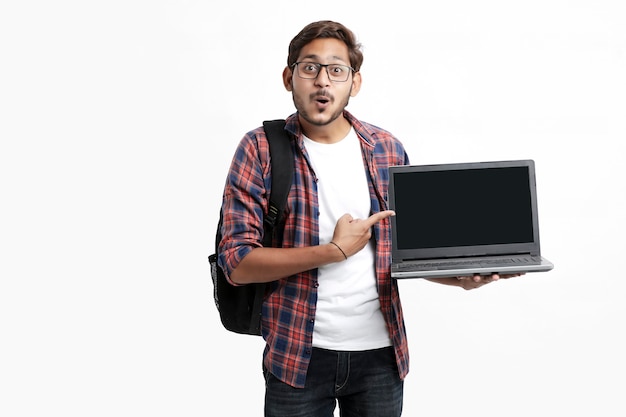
287,78
356,84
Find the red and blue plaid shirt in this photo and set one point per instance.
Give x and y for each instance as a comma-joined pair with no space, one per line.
289,308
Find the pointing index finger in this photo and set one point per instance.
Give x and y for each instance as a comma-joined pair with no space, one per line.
376,217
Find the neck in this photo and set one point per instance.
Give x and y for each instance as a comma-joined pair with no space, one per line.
329,133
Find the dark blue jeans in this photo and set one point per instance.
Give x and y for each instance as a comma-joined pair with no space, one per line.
365,384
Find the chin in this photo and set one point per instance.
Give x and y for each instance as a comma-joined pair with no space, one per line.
321,119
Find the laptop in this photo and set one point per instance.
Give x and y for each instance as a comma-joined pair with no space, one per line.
462,219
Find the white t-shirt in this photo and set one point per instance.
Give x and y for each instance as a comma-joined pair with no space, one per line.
348,313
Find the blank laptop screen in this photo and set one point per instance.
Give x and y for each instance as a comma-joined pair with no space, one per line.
464,207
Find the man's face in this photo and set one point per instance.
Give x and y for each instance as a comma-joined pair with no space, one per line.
319,100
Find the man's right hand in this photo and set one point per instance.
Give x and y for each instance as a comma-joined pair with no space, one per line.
351,234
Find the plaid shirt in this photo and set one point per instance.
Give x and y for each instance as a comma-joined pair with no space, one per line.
289,307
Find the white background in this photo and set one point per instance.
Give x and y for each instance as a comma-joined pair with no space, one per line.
118,121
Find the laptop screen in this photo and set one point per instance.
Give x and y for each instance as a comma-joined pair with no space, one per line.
463,209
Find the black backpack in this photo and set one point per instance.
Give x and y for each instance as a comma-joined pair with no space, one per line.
240,306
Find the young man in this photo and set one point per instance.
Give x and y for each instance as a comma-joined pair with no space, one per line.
332,320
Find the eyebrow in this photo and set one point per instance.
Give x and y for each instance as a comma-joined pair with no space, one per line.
318,58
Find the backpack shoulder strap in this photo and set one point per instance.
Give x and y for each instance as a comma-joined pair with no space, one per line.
282,166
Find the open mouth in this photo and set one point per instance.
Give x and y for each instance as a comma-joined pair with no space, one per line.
322,102
321,98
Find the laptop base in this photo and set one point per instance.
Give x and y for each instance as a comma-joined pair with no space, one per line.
480,266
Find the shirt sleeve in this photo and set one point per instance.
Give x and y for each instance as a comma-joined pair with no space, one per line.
244,201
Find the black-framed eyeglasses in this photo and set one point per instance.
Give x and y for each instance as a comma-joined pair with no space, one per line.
336,72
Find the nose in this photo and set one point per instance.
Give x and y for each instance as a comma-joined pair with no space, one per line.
322,78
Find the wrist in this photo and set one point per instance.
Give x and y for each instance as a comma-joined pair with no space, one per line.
338,249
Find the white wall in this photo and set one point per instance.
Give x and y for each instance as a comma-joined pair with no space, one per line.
118,120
